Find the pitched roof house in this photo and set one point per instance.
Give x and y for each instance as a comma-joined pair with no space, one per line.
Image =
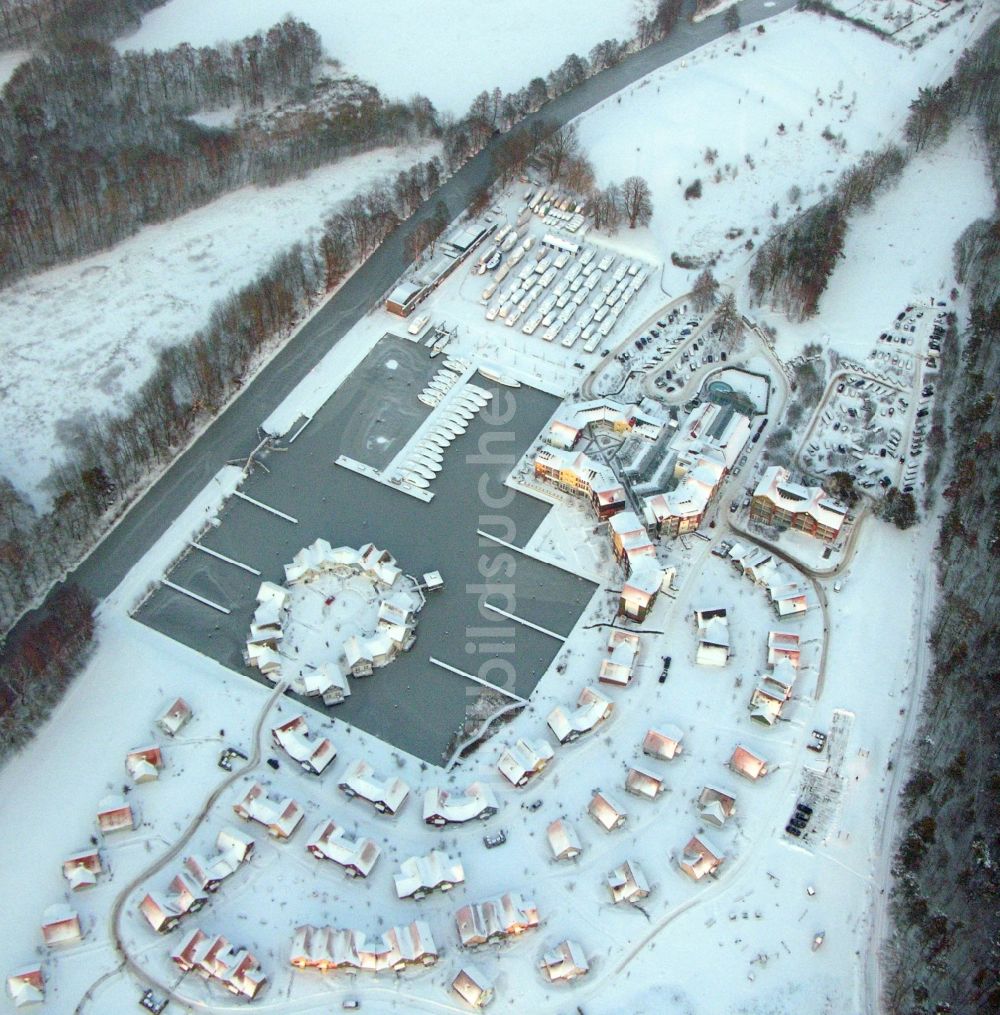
215,959
26,986
563,840
144,763
700,857
565,962
313,755
495,919
643,783
744,762
385,796
330,948
356,855
522,762
713,637
421,875
606,812
628,883
280,816
81,869
60,925
664,744
174,717
114,814
473,987
715,807
592,709
445,807
233,848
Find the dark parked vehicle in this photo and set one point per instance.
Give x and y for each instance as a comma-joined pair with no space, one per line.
792,830
494,839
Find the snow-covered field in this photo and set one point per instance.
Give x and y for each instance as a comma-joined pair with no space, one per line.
905,241
91,329
771,104
448,50
736,946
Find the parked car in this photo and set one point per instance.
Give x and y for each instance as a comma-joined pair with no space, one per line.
494,839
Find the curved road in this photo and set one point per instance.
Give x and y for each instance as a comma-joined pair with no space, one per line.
123,896
233,434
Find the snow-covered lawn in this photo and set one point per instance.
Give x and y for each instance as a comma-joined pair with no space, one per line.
90,330
802,72
904,241
448,50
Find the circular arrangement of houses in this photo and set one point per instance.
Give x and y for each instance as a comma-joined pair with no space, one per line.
341,612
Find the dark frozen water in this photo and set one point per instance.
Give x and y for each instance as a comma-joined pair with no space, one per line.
411,703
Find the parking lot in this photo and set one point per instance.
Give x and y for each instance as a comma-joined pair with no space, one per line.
413,704
873,422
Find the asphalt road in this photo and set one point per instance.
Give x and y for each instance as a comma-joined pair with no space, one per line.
234,433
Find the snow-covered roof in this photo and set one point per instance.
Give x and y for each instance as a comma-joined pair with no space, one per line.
280,815
312,754
746,763
776,486
518,763
663,743
628,883
701,857
326,948
606,811
473,986
26,986
359,780
174,716
331,842
565,962
592,709
446,807
563,840
715,806
505,916
213,956
642,782
426,873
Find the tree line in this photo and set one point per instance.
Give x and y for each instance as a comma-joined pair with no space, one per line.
793,266
35,671
27,22
946,879
95,144
111,454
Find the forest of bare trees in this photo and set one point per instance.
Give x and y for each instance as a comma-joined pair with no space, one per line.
94,144
944,955
24,22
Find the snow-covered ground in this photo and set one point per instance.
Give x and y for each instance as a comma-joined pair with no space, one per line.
9,60
449,50
740,944
905,241
859,87
91,329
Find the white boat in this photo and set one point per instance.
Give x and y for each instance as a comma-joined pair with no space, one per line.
437,438
414,480
419,469
429,398
429,451
419,324
492,374
426,463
